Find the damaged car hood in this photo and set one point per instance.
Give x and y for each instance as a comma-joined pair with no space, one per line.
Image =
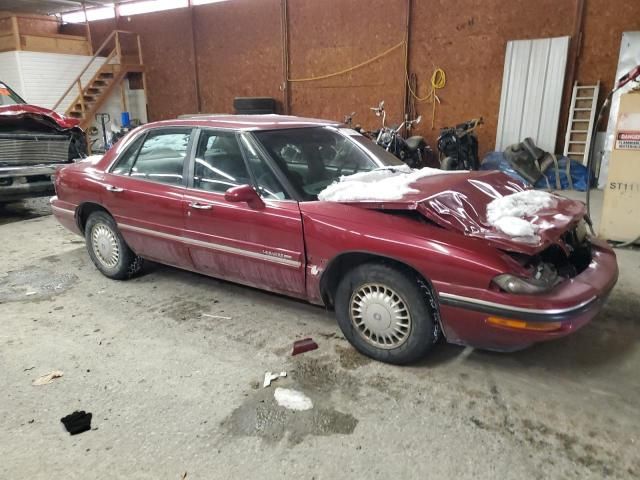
459,202
12,113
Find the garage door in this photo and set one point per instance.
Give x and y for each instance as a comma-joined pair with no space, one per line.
532,87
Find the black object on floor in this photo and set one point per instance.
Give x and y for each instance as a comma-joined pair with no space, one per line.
77,422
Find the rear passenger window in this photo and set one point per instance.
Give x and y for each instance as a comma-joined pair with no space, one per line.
219,163
161,157
125,162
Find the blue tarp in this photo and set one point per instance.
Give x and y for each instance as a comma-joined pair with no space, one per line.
498,161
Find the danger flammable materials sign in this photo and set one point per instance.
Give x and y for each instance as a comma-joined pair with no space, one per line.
628,136
628,141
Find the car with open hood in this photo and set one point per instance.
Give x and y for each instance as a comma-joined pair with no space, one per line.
34,141
313,210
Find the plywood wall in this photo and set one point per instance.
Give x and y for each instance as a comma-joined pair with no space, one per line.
239,52
468,42
332,35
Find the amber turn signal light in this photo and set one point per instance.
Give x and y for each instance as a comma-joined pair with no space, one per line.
522,325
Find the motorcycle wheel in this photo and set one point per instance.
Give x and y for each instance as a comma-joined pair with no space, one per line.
449,163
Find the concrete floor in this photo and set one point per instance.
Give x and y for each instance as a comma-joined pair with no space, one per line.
170,365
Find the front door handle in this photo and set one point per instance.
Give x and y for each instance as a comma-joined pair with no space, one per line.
200,206
111,188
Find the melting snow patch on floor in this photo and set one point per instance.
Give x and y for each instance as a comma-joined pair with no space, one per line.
381,184
292,399
508,213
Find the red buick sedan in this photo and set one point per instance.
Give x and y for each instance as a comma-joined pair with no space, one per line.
236,197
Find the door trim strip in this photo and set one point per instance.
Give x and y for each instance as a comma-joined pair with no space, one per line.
213,246
458,300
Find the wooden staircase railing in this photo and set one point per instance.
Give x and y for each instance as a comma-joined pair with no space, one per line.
111,73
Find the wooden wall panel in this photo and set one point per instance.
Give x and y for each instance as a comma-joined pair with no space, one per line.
168,56
469,43
332,35
605,21
37,26
239,52
5,26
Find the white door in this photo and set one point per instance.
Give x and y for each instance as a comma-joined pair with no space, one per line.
532,87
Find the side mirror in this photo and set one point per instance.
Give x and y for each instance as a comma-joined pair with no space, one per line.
244,193
381,106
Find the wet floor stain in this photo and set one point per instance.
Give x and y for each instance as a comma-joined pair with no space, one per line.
350,358
323,375
260,416
33,283
25,210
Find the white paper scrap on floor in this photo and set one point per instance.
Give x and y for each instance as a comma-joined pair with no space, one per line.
292,399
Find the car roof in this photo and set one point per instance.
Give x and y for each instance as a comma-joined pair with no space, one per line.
244,122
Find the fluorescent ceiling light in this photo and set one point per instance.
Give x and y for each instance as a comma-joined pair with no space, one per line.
99,13
148,6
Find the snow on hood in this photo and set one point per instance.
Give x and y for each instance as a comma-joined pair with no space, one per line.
461,203
93,159
508,213
381,184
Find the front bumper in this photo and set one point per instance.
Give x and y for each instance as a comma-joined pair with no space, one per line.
21,182
569,306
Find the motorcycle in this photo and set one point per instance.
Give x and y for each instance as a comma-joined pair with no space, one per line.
414,151
458,146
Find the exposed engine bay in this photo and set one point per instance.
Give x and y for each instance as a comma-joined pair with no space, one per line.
33,142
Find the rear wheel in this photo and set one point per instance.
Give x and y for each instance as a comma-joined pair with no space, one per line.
108,250
386,314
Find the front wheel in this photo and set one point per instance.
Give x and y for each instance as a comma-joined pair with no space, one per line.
108,250
386,314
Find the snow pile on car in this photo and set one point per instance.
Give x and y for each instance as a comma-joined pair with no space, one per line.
509,213
90,159
390,183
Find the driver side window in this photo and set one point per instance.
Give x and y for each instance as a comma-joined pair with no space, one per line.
219,164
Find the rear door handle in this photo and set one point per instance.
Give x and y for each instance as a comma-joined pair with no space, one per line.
111,188
200,206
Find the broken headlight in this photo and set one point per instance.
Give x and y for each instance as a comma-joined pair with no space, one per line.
543,280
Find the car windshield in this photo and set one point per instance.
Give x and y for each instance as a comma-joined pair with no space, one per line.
313,158
8,96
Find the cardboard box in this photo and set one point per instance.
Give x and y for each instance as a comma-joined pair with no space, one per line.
621,207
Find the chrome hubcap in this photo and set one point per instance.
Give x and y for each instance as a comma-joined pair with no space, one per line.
380,316
105,245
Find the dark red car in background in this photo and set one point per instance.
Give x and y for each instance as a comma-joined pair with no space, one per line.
235,197
34,141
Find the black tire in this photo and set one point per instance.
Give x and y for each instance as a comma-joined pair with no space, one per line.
414,294
127,264
255,111
253,105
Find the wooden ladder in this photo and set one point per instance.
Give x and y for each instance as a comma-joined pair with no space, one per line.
580,126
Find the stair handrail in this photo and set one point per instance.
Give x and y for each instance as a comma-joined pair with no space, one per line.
113,34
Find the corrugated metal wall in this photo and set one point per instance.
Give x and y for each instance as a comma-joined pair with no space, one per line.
532,86
43,77
10,72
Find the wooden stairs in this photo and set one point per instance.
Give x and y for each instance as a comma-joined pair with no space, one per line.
117,66
99,89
